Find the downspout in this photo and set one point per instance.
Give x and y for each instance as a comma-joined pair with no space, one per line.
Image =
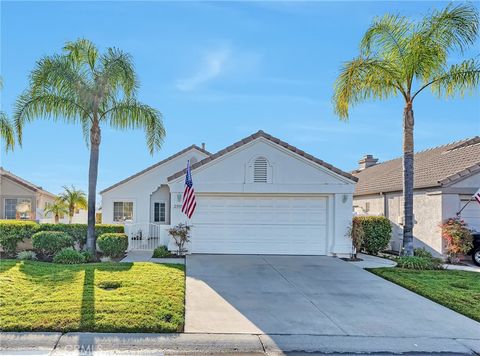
384,204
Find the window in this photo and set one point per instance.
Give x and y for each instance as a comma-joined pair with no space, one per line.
260,170
18,209
159,212
122,211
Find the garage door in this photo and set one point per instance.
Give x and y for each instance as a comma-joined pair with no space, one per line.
471,214
260,225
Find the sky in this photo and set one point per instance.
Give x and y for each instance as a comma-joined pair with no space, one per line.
218,72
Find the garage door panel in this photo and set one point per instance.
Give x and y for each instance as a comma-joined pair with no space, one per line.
260,225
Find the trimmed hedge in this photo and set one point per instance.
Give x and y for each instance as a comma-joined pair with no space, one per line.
69,256
14,231
113,244
377,233
419,263
49,243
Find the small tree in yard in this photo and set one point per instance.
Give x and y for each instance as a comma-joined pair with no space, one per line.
356,233
181,234
458,238
58,209
74,199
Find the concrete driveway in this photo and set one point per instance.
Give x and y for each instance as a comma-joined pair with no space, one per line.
307,295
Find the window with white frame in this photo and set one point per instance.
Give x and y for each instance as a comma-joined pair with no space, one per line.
260,170
18,208
159,212
122,210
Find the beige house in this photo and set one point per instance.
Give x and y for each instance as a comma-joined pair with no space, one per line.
445,179
22,200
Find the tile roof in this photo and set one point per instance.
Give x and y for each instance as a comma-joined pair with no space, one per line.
434,167
156,165
270,138
24,183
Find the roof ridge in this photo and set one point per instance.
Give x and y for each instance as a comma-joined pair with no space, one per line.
24,182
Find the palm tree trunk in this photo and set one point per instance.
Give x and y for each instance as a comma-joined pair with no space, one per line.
92,185
408,150
57,218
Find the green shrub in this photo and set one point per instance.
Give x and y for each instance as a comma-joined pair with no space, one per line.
421,252
377,232
27,256
161,252
79,231
113,244
419,263
88,256
69,256
14,231
49,243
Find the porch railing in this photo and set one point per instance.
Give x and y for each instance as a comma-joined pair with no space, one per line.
145,236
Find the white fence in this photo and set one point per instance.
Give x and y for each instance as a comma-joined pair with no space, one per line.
146,236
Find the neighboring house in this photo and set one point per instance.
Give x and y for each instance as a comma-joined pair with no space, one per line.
257,196
445,178
23,200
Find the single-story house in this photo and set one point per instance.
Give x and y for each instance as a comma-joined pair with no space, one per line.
23,200
445,179
257,196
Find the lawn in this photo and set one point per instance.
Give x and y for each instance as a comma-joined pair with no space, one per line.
102,297
457,290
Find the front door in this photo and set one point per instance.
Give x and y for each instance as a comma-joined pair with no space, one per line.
159,212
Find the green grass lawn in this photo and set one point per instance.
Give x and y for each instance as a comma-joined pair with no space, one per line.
457,290
51,297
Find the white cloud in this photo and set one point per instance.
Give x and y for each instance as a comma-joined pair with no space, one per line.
213,64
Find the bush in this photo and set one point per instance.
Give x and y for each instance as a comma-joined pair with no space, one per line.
458,238
181,235
113,244
69,256
88,256
27,256
161,252
421,252
14,231
79,231
419,263
377,232
356,234
49,243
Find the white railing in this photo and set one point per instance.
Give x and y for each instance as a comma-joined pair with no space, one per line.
145,236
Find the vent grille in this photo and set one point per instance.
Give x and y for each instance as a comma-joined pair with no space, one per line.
260,170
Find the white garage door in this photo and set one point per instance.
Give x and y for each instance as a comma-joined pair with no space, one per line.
260,225
471,214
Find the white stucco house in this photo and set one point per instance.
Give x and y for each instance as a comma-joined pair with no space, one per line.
445,179
258,196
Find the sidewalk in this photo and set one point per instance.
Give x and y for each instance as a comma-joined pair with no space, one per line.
226,344
146,256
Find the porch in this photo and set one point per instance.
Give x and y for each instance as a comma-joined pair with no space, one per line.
146,236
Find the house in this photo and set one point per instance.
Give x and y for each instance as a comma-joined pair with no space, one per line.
257,196
23,200
445,178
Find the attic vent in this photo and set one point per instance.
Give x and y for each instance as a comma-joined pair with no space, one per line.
260,170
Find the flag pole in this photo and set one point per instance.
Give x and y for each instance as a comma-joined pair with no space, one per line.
468,202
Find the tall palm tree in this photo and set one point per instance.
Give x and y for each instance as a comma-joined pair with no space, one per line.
6,128
58,208
74,199
399,56
83,86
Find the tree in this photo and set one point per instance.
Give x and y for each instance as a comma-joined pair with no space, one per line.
399,56
6,128
74,199
92,89
58,209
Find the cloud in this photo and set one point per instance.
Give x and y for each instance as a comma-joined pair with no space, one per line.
213,64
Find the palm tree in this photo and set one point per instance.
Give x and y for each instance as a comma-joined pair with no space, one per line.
402,57
6,128
74,199
58,208
83,86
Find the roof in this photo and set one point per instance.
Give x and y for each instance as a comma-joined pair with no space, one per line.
435,167
24,183
156,165
272,139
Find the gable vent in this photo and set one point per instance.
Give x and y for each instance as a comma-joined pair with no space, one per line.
260,170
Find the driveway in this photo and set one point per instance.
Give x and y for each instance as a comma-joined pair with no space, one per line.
308,295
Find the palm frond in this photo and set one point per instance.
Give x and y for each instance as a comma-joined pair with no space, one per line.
362,79
131,114
81,52
118,72
6,131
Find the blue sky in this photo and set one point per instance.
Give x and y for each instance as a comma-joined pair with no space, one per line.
218,72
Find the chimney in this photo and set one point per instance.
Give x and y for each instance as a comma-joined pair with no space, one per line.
203,145
367,161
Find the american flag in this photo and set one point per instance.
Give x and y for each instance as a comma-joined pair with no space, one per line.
189,204
477,196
